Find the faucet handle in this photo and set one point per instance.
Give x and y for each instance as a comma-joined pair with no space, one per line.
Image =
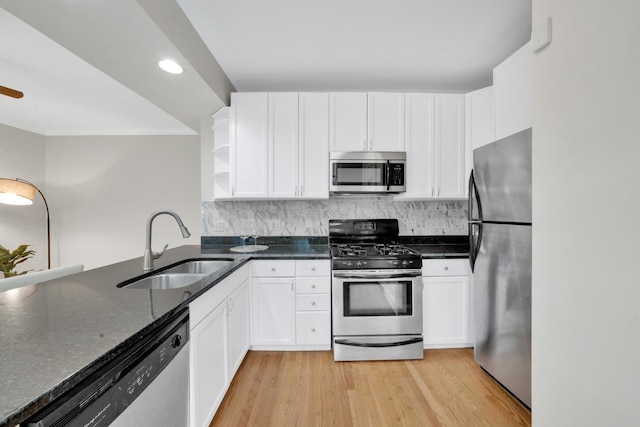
157,255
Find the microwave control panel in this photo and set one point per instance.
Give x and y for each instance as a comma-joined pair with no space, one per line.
396,174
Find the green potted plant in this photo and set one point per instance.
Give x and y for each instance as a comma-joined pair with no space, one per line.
10,259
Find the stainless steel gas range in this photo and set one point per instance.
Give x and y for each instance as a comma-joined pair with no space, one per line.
376,292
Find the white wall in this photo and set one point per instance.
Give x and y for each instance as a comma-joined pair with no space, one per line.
22,155
102,190
586,207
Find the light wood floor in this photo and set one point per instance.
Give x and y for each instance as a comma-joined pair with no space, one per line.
447,388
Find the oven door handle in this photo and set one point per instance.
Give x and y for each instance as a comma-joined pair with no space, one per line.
378,344
376,276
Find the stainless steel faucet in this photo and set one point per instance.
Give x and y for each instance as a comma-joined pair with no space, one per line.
149,255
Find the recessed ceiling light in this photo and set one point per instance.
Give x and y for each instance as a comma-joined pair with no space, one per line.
170,66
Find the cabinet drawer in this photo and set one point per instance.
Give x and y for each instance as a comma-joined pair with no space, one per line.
313,267
313,302
445,267
271,268
313,285
313,328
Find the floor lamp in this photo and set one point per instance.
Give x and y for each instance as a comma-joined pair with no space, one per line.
20,192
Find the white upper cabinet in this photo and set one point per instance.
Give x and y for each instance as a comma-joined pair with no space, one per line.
386,121
283,145
313,151
280,145
366,121
420,146
479,123
513,90
348,121
479,118
436,147
249,145
450,171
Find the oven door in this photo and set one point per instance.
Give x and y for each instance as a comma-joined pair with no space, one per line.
377,302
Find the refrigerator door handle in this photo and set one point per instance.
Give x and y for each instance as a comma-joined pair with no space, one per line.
474,196
474,238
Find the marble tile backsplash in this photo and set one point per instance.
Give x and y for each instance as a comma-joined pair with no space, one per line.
311,217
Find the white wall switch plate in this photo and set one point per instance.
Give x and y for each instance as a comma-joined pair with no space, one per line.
541,35
275,225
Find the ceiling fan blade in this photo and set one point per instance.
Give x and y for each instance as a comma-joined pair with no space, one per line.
11,92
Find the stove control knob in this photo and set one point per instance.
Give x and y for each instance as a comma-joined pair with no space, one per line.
395,263
349,263
405,263
358,264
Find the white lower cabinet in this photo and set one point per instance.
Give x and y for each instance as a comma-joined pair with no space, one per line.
239,313
274,311
291,305
313,305
219,340
446,303
208,366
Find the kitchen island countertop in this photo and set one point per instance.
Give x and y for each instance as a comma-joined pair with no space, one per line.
56,333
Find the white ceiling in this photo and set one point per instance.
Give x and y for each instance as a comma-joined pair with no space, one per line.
64,95
360,44
100,76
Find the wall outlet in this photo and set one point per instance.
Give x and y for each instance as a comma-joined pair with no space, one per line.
275,225
218,225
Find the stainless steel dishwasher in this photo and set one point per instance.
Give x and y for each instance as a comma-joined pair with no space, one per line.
146,386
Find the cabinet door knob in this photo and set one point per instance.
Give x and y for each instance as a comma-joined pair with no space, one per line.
446,268
313,269
313,303
273,269
313,286
313,329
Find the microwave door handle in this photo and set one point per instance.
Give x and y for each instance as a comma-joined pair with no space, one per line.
388,177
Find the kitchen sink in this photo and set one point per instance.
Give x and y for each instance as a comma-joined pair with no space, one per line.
166,281
184,274
205,267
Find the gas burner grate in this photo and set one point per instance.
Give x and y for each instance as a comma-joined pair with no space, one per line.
351,250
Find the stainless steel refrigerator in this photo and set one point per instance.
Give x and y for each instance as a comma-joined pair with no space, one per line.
500,256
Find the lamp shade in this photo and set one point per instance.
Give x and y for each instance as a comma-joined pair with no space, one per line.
14,192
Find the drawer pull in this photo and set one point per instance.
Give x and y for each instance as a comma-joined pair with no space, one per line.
313,286
446,268
313,269
313,329
273,269
313,303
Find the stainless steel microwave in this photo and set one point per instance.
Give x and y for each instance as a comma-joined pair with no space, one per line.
367,171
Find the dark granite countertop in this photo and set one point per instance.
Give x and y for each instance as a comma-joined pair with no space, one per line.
435,247
308,247
56,333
